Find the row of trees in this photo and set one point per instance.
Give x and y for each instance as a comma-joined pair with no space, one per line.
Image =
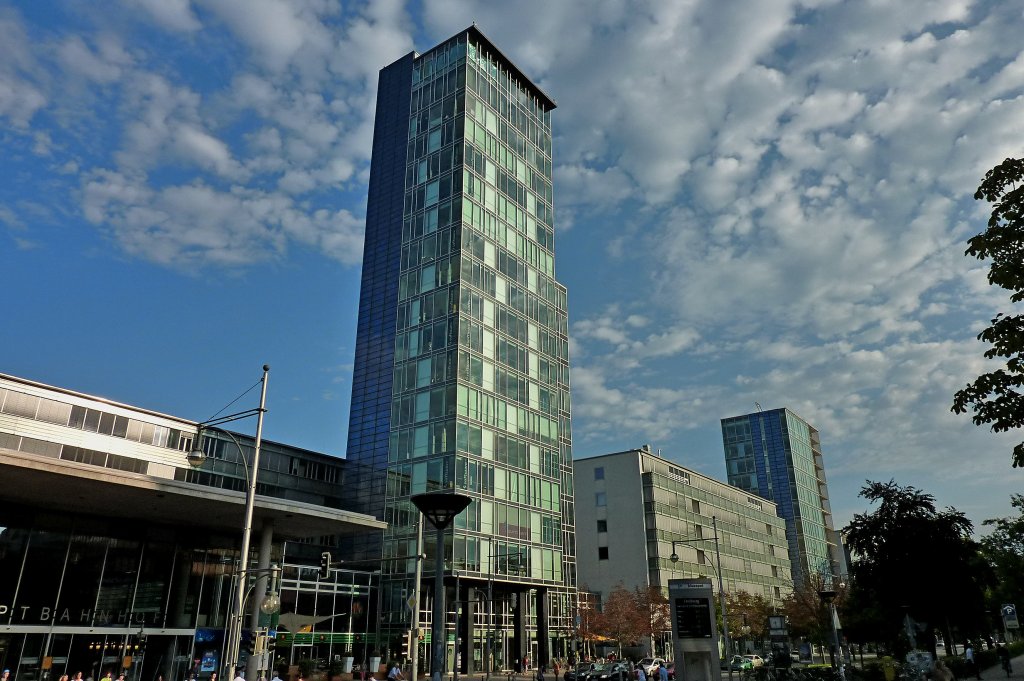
913,560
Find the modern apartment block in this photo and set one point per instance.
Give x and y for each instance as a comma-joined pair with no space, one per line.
461,369
631,506
777,455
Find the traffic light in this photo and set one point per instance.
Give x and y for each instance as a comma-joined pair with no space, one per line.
406,643
325,565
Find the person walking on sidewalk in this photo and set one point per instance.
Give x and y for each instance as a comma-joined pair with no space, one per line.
1004,658
972,664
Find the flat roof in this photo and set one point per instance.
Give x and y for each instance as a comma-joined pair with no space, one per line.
479,36
79,488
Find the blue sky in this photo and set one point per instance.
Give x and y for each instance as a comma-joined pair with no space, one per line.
755,202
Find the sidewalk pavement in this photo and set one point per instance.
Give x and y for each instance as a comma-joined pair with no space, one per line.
995,672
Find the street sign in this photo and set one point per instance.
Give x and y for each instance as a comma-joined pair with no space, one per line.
1009,612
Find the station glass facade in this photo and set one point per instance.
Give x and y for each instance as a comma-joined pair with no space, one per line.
462,352
94,596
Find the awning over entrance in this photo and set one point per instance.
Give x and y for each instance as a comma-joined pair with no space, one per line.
32,480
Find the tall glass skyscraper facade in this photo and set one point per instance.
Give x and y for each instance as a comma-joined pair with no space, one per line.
777,455
461,374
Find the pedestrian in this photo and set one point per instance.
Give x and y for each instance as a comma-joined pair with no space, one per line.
6,676
662,672
239,674
972,665
277,677
395,673
641,675
1004,658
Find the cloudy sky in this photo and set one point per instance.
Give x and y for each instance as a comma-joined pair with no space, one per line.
756,202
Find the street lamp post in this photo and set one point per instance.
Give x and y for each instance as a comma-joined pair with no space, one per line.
828,599
718,570
440,508
196,457
414,644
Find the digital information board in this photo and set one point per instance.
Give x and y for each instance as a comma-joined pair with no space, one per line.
693,618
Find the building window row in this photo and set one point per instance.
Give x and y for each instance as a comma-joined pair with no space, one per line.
59,413
488,223
56,450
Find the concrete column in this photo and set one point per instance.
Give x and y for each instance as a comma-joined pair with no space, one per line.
520,640
467,631
177,617
543,634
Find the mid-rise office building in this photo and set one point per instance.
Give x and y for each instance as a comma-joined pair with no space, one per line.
631,506
776,455
117,555
461,374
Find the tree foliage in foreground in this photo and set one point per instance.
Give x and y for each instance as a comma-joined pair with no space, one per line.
911,558
1004,549
996,398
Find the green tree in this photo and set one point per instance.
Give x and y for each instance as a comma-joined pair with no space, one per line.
996,397
748,615
1003,547
912,559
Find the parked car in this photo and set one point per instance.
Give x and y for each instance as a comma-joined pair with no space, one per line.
650,664
609,671
755,660
579,672
739,663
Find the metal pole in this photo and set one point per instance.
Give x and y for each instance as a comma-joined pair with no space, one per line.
414,653
437,628
233,645
721,595
489,661
458,608
835,642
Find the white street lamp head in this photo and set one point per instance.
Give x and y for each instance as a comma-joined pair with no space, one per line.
196,457
271,604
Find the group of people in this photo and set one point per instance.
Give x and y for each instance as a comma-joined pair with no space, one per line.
972,664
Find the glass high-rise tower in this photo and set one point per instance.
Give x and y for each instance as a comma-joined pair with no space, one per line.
461,376
777,455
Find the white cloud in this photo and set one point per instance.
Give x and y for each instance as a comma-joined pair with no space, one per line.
185,226
176,15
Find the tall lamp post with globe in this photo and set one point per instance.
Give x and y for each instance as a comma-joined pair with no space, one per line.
271,602
439,508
